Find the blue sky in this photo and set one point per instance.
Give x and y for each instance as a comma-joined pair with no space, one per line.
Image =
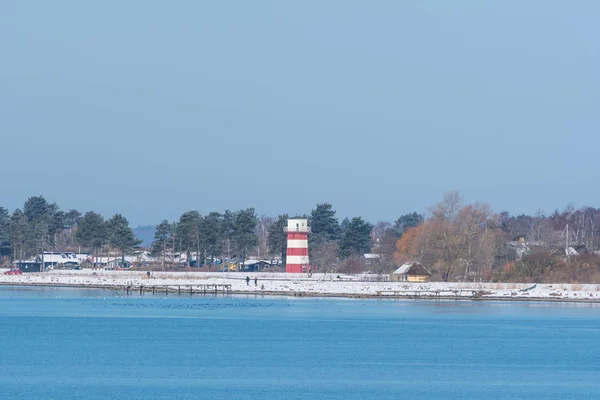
152,108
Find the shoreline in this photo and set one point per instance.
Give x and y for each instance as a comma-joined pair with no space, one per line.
173,290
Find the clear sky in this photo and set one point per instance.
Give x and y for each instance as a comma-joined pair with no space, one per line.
152,108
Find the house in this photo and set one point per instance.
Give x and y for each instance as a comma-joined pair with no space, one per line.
371,259
28,265
110,262
412,272
519,248
253,265
58,260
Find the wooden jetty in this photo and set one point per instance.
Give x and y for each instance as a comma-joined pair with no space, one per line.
435,294
180,289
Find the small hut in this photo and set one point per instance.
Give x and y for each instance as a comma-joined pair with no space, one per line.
411,272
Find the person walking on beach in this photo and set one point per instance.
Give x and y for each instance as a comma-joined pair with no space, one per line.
255,281
247,280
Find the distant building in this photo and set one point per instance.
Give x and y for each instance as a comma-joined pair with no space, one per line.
28,265
297,230
108,262
60,260
255,265
371,259
412,272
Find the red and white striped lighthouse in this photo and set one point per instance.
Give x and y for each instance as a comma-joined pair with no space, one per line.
297,246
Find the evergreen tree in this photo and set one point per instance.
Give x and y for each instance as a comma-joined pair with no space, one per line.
18,233
277,238
323,224
121,236
406,222
227,223
92,231
244,236
162,237
211,234
344,225
356,239
5,246
72,218
38,213
57,223
188,233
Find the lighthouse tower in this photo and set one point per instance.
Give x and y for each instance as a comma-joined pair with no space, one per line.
297,245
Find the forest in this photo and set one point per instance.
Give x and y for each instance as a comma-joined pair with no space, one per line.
456,241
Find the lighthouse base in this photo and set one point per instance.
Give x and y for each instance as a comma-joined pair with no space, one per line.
294,268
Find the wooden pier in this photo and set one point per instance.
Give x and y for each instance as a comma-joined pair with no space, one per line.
428,294
211,289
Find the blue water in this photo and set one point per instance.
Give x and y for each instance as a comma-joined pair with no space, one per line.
90,344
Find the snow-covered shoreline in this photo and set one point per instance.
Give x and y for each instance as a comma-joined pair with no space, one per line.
317,285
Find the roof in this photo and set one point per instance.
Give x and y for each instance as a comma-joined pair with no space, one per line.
371,255
29,261
107,260
412,268
254,261
58,258
570,251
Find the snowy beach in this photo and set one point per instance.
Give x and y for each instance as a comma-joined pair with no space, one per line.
302,285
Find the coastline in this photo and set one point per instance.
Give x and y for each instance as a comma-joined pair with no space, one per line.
319,285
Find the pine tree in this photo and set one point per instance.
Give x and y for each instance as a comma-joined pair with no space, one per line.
5,245
211,234
278,238
356,239
121,236
92,232
244,235
323,224
188,232
162,236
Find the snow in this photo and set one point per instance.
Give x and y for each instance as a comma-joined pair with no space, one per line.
403,269
318,284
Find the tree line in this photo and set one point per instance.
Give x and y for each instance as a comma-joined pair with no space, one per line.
455,241
233,235
42,226
470,242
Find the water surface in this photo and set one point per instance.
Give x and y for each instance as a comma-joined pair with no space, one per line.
91,344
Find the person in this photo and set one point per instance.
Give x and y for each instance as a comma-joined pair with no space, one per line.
247,280
255,280
148,274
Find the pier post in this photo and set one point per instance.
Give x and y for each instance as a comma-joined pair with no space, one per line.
141,288
180,290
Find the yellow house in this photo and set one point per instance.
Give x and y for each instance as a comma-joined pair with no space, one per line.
412,272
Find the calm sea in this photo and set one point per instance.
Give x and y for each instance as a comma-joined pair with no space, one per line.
91,344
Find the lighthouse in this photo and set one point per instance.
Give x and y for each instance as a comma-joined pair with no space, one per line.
297,245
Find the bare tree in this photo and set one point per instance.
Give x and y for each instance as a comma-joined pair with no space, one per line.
263,235
455,236
381,229
324,256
